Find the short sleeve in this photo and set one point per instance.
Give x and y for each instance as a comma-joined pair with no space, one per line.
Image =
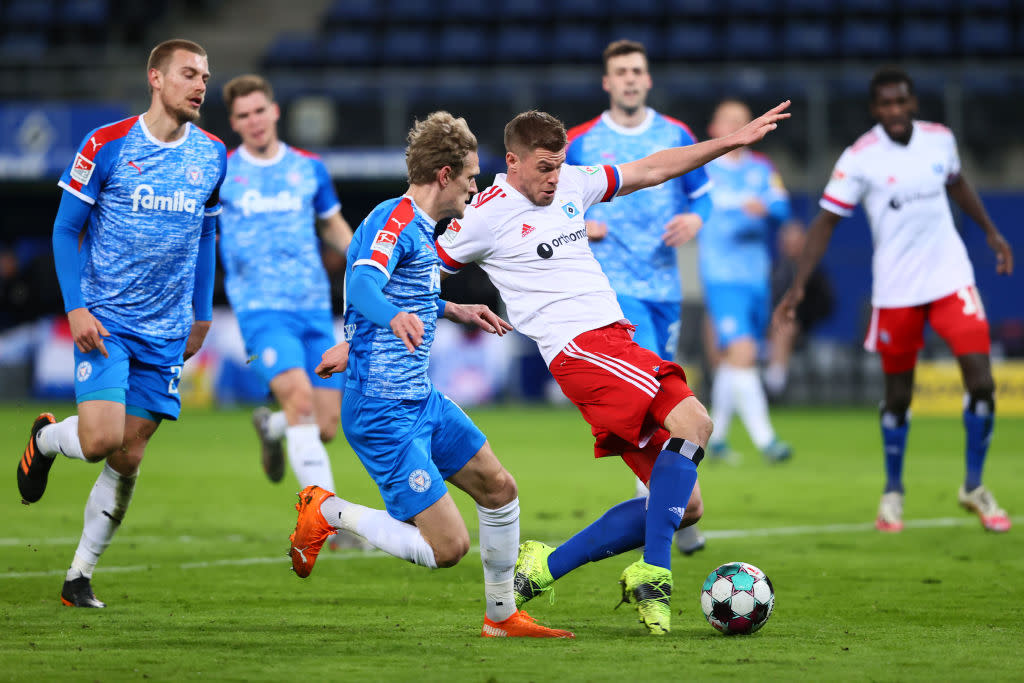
389,241
465,241
953,159
325,201
213,206
845,188
598,183
695,183
85,175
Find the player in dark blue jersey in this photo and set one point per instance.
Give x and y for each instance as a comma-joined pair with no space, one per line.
134,245
279,202
410,437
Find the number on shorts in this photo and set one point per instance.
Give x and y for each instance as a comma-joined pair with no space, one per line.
972,302
172,386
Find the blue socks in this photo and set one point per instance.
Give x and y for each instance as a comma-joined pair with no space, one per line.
672,481
894,437
619,529
979,414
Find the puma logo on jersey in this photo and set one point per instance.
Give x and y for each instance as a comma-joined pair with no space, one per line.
135,166
400,223
95,145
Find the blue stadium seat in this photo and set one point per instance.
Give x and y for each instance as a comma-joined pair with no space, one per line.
412,11
926,37
649,35
30,13
741,9
523,10
466,44
578,42
866,6
575,10
349,46
749,40
928,6
986,37
91,13
691,41
354,11
409,46
24,46
815,7
866,39
294,50
462,10
987,5
695,8
808,39
522,44
636,9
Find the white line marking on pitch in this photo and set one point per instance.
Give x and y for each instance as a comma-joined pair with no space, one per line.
353,554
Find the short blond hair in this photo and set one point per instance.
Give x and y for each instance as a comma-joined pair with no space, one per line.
243,85
161,54
435,142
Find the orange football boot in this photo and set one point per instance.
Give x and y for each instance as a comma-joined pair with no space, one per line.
521,625
311,530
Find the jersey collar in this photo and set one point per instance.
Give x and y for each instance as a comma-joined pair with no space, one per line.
419,209
160,143
256,161
644,126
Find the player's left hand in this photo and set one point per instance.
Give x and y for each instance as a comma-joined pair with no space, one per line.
333,360
196,337
1004,254
681,229
762,125
755,207
479,315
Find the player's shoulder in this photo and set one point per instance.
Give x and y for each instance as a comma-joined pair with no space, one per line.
865,142
304,153
761,161
394,213
216,141
933,129
676,124
583,128
107,134
487,204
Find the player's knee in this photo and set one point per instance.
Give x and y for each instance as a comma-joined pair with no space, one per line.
97,445
500,490
449,553
328,431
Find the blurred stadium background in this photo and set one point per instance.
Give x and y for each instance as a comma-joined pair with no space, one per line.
352,74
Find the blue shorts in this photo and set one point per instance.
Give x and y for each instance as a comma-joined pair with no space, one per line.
141,372
281,340
737,311
409,447
657,324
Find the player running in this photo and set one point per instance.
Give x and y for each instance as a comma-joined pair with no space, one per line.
409,436
634,238
735,266
902,170
527,232
134,244
275,197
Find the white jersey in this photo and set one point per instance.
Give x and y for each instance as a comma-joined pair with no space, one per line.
919,256
538,256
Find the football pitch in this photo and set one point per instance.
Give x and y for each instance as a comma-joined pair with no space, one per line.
198,584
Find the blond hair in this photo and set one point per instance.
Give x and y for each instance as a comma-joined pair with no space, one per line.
435,142
161,54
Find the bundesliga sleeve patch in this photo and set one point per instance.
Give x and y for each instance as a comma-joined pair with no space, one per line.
82,169
384,243
448,237
590,170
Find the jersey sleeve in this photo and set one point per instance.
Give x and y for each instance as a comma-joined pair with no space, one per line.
213,205
845,188
953,161
325,201
465,241
598,183
85,175
696,183
385,241
775,196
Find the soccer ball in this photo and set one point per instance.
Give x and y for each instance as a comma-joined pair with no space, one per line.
737,598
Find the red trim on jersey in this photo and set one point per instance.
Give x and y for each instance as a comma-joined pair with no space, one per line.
447,260
581,129
830,198
932,127
866,140
487,195
209,135
231,152
304,152
613,182
400,216
92,146
681,125
763,158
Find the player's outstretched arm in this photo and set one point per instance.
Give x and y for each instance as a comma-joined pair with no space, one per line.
333,360
477,314
675,161
336,232
968,200
819,234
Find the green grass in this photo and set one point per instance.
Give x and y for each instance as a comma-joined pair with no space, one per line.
199,587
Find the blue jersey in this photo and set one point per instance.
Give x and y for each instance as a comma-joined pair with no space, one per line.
268,240
633,256
734,243
397,238
149,198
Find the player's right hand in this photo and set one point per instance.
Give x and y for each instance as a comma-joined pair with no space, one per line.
596,230
87,331
762,125
1004,254
785,312
409,328
333,360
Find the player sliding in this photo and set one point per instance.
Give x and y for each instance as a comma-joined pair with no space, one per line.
408,435
527,232
902,170
135,247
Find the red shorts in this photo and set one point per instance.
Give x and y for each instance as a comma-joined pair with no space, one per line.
624,392
898,333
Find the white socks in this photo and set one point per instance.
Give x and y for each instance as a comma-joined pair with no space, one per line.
739,390
108,501
62,438
499,547
308,457
276,425
381,530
